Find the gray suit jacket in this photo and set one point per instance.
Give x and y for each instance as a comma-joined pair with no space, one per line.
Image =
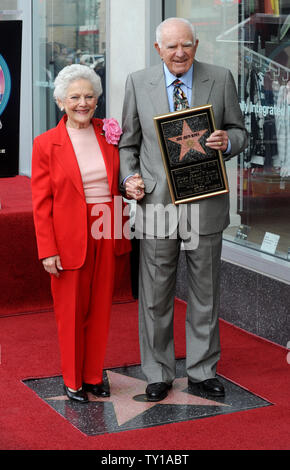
146,97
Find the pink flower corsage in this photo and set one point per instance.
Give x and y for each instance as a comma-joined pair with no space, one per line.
112,131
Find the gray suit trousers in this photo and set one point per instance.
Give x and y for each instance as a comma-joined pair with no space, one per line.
158,267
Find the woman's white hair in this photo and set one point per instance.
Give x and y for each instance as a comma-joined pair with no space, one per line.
159,29
70,74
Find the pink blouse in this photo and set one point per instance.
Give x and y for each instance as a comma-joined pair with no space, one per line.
91,164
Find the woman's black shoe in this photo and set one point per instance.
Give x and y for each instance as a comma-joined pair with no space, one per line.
79,396
99,390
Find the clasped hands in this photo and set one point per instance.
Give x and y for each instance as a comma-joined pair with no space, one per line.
134,185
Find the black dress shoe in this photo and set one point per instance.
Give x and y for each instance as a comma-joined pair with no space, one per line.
99,390
79,396
157,391
210,387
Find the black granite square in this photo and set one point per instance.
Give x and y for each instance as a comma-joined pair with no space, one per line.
127,407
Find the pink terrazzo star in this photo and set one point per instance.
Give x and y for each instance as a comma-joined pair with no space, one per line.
189,140
124,389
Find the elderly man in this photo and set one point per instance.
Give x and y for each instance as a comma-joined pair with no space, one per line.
152,92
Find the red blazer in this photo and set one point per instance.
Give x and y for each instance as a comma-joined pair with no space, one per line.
59,205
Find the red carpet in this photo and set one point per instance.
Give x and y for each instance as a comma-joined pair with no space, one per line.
29,349
25,286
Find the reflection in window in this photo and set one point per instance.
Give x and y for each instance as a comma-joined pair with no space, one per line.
66,32
252,39
264,169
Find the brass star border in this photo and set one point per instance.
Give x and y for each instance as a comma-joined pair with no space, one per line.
127,407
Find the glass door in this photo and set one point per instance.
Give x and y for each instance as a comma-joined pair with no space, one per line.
66,32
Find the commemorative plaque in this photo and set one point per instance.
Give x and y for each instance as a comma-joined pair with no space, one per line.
193,170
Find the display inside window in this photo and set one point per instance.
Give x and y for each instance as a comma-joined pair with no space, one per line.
264,169
252,39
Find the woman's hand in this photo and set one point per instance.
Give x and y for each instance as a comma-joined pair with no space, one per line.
52,265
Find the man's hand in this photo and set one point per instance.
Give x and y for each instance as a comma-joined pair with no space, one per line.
218,140
135,187
52,265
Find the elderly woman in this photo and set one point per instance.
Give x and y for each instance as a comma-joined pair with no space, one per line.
75,170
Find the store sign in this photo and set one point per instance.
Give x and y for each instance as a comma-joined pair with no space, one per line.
88,29
270,242
10,70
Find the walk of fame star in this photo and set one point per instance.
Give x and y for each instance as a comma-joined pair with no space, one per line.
127,408
124,389
189,140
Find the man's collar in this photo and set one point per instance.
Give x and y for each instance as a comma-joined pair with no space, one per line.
186,78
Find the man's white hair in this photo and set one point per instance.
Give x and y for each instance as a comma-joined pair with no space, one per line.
72,73
159,29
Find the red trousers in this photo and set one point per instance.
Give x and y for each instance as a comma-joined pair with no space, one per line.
82,303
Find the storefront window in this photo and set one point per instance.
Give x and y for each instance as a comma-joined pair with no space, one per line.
65,32
252,38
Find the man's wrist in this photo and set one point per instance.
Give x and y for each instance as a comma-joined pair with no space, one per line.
229,148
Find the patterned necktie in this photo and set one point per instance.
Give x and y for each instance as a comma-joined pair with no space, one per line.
179,97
